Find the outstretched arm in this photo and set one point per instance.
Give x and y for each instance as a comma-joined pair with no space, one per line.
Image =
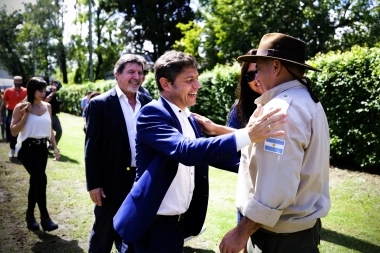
210,128
259,127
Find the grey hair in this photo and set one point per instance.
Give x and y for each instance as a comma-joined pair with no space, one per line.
127,58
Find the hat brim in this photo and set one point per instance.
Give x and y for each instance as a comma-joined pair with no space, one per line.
253,59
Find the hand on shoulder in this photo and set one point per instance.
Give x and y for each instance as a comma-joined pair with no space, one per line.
261,127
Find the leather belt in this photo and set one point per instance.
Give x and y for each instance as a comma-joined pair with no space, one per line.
36,141
273,233
178,217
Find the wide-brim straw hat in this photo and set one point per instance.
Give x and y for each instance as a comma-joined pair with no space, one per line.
281,47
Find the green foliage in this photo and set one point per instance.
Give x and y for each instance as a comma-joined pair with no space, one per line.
191,40
349,89
232,27
151,86
217,93
42,34
108,40
155,21
73,94
10,49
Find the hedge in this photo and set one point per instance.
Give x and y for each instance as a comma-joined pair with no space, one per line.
349,90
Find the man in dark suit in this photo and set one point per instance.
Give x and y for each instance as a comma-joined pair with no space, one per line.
110,150
170,194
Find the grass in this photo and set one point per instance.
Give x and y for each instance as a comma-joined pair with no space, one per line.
353,224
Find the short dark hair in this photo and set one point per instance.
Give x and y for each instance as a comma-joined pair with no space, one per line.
34,84
58,83
171,64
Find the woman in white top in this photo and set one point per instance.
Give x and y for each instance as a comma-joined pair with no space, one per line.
31,121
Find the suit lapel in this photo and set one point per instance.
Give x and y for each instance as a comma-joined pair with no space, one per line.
172,114
194,124
118,113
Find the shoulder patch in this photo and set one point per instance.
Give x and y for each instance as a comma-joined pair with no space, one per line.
274,145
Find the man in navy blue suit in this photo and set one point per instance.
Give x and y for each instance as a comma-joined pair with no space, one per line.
170,194
110,150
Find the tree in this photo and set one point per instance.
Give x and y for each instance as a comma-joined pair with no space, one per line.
232,27
155,21
10,58
42,35
109,38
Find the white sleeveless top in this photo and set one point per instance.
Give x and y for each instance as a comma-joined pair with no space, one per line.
37,127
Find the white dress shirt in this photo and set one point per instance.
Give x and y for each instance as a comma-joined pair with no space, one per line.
130,120
178,197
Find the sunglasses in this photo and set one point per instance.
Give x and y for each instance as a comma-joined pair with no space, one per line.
250,76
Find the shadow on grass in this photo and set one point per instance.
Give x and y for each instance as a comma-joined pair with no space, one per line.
52,243
14,160
348,242
63,158
195,250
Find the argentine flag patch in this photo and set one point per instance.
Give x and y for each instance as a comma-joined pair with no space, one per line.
274,145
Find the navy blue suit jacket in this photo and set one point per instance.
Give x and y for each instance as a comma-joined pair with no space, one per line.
160,146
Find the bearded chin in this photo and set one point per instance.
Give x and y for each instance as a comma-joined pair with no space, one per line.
18,85
132,89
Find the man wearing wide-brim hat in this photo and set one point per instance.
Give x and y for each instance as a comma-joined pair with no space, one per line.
283,183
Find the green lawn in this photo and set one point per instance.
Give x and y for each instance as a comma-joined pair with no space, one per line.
353,224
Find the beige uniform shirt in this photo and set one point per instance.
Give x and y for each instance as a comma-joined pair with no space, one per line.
284,182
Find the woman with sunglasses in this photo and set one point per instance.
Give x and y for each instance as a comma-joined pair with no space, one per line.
31,121
247,91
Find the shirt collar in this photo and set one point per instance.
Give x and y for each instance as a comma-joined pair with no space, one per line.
120,93
178,111
274,92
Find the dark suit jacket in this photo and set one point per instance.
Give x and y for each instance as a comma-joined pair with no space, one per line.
107,150
160,147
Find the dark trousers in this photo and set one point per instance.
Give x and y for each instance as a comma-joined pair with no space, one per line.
10,138
163,236
56,124
34,158
305,241
3,124
103,234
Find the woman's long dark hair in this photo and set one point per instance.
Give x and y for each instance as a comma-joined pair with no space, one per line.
245,95
34,83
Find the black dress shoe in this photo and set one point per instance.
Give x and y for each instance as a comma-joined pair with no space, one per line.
31,222
48,225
